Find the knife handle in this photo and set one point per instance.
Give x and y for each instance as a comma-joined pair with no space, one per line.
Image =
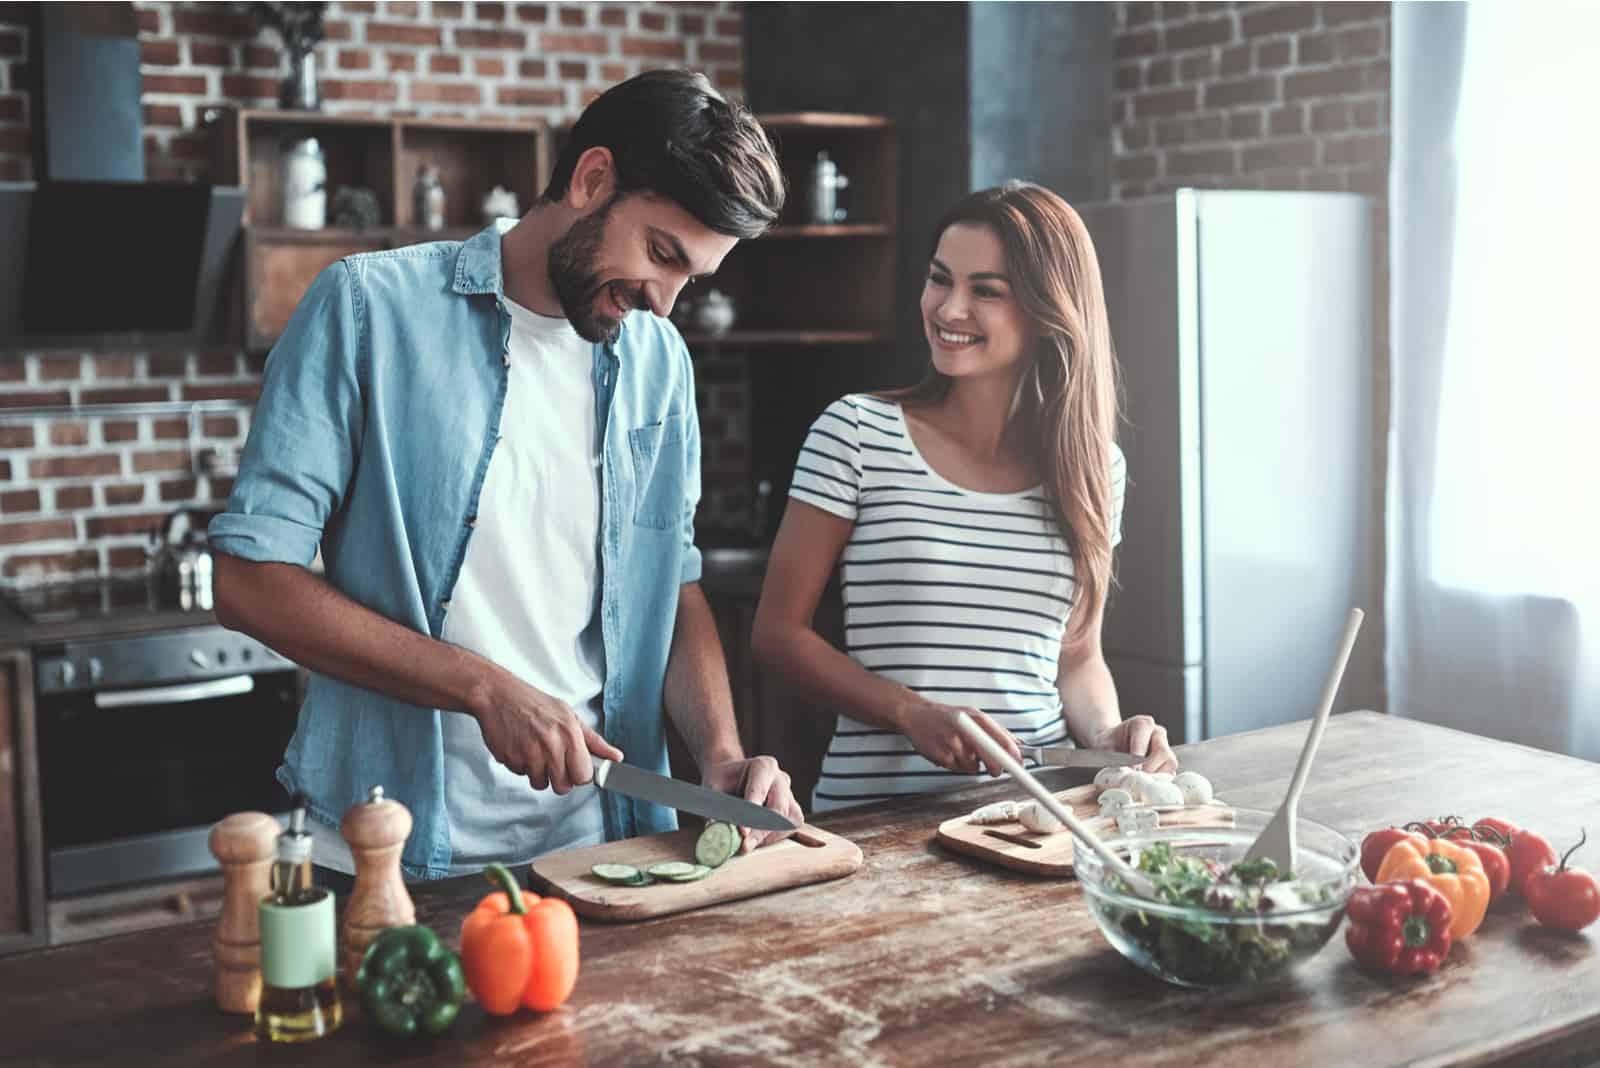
602,769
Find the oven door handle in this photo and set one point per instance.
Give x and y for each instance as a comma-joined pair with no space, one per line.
182,693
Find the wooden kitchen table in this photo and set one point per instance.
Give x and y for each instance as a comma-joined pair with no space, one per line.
927,958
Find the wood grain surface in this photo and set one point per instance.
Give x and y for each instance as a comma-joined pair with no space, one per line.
813,855
924,958
1011,845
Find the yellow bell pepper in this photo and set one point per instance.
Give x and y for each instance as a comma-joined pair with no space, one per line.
1453,870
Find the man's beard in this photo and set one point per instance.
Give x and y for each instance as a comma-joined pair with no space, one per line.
578,286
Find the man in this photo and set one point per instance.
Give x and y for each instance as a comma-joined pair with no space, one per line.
495,445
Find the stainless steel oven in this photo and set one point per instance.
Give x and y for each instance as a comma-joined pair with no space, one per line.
145,741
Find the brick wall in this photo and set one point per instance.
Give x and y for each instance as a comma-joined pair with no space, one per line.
1265,96
77,495
1244,95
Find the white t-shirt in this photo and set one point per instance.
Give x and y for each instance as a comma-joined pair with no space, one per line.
961,596
528,599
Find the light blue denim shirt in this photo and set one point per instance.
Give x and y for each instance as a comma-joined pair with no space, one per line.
380,411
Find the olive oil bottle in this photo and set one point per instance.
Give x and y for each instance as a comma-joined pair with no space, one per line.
299,986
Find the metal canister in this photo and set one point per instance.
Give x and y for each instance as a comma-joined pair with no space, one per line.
825,183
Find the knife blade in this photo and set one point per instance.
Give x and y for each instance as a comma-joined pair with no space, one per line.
1066,756
687,797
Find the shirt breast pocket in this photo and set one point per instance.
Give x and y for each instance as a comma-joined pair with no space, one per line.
658,475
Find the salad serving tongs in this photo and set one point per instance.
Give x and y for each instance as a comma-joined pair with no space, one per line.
995,756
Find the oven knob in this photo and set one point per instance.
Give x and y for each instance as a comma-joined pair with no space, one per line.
97,670
198,658
66,674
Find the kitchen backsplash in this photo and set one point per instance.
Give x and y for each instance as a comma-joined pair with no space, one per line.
78,495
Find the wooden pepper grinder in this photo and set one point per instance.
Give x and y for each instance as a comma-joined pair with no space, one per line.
376,830
244,844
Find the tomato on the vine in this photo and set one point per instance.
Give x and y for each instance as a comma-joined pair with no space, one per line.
1528,853
1563,897
1501,827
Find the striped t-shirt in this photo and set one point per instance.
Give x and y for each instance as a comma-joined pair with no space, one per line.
960,596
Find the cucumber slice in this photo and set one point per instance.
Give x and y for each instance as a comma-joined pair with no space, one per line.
617,873
672,869
644,878
695,873
716,844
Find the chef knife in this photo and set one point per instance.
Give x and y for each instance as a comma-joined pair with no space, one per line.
686,797
1066,756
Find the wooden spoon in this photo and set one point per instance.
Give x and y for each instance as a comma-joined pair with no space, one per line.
1277,839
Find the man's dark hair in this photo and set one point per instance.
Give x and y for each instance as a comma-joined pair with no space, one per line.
671,134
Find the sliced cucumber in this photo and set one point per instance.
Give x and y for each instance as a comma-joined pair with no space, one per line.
695,873
672,869
716,844
617,873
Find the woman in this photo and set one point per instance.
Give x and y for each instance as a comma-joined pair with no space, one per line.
974,515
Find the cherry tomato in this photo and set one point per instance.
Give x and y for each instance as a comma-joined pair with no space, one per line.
1375,846
1528,853
1563,897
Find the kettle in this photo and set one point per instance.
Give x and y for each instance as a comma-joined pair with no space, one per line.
180,562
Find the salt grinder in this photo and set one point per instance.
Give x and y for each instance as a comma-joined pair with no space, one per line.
376,831
244,845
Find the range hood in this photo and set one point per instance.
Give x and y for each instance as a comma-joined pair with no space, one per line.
93,253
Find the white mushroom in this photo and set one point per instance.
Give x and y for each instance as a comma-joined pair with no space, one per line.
1159,792
1163,776
1195,786
1113,799
1036,817
1134,783
1112,776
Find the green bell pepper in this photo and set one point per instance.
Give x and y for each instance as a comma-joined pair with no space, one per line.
410,982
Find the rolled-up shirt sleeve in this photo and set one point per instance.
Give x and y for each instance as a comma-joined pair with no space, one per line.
305,432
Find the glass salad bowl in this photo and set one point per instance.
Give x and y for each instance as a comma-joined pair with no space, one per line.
1213,932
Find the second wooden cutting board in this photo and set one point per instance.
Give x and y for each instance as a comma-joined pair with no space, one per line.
1011,845
811,855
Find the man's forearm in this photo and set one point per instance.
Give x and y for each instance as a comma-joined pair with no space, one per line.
309,621
696,691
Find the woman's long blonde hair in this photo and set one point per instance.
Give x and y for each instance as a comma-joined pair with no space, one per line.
1067,403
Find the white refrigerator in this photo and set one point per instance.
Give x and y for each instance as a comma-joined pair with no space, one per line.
1244,328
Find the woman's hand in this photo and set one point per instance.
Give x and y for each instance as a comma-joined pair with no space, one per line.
932,729
1141,736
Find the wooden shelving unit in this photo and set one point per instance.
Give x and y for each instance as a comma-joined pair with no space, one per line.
377,153
804,285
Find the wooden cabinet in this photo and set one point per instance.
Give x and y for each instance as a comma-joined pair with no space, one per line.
380,154
22,906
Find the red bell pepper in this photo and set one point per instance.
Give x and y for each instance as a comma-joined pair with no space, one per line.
1399,928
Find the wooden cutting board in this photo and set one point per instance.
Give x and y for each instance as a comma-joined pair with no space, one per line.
1011,845
811,855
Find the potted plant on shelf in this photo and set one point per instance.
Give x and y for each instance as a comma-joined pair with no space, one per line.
300,28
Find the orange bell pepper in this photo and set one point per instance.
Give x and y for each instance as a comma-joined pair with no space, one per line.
1453,870
519,949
